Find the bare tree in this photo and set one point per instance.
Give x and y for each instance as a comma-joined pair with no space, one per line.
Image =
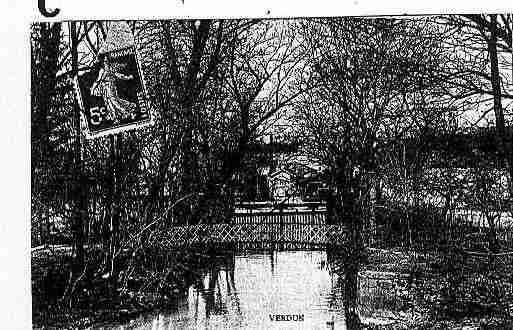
480,77
482,71
373,85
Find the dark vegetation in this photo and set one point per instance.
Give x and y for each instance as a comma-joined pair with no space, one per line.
150,280
452,275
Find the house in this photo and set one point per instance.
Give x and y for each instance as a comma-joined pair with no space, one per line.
281,184
311,181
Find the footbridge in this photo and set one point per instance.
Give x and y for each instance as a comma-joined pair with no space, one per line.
269,229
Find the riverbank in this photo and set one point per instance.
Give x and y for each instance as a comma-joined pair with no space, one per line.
138,290
119,310
445,290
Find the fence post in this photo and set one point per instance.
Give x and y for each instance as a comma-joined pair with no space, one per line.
280,217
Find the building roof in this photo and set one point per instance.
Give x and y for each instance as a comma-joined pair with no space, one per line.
280,171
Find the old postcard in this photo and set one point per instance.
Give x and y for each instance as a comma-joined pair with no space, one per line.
268,171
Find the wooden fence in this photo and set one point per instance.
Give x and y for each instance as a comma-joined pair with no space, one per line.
302,217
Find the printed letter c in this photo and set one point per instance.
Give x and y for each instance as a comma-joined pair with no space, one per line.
41,4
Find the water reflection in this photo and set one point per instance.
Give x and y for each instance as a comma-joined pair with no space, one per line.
243,291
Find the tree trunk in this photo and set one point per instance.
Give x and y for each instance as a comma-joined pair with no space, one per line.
188,181
351,269
112,221
502,135
493,242
44,61
352,216
79,198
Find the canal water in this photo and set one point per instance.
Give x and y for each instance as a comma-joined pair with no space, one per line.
250,290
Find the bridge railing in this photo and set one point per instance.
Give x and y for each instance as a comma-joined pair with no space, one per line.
284,226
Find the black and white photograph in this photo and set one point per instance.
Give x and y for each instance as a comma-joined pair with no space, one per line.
345,172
